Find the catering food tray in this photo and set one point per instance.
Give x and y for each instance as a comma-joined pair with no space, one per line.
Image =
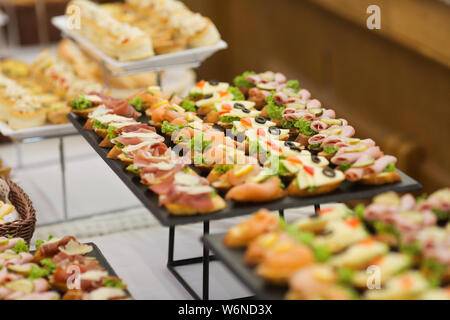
98,255
186,58
233,260
346,191
47,131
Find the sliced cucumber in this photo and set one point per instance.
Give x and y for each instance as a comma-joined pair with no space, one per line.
364,164
332,122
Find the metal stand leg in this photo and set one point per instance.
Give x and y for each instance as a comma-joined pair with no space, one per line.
159,79
204,260
316,209
205,263
63,177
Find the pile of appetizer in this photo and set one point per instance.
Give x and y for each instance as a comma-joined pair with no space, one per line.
138,29
8,213
237,145
398,247
4,171
35,96
58,269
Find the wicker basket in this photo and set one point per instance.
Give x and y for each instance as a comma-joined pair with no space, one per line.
24,227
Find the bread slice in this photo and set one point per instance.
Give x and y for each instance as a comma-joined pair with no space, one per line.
106,143
294,190
381,178
89,125
84,113
58,116
178,209
114,153
209,36
102,133
122,157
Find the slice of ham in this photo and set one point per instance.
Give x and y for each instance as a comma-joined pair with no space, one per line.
347,131
119,106
329,114
381,164
318,125
354,174
407,202
50,249
305,94
143,158
331,141
314,103
24,257
282,99
6,276
318,138
342,157
293,114
11,243
380,211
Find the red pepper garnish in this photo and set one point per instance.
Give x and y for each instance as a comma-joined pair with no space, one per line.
247,122
260,132
367,242
274,146
200,84
308,169
227,107
295,160
353,222
222,93
325,211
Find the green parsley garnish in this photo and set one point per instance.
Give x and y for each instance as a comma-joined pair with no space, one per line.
137,103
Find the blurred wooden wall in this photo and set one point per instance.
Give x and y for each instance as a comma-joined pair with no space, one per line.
392,84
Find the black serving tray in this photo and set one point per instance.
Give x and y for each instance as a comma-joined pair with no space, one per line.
346,191
234,260
98,255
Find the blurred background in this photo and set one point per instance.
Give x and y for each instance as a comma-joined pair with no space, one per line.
392,84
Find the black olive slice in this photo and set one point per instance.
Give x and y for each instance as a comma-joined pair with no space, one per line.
275,131
289,144
207,96
213,82
328,172
245,110
295,148
315,158
238,105
260,120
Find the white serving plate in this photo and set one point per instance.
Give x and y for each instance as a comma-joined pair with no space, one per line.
49,131
185,58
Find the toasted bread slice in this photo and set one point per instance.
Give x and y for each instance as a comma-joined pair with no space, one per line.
89,125
325,155
84,113
381,178
178,209
294,190
106,143
122,157
114,153
102,133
